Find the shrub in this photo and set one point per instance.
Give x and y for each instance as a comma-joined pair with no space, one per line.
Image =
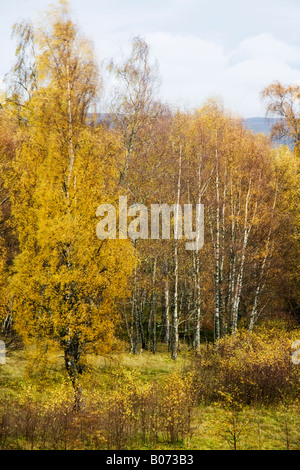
255,367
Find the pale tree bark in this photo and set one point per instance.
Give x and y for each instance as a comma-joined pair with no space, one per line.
223,318
175,315
217,329
154,307
232,254
197,280
165,334
140,312
70,136
202,187
128,328
197,311
239,282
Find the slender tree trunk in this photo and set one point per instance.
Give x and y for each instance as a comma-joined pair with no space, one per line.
128,330
140,313
197,310
154,306
166,314
239,282
74,369
217,328
70,136
149,325
223,322
232,258
175,316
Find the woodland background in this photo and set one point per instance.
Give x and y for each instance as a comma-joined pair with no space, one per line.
118,344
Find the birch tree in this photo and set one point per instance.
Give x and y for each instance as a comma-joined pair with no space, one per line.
65,282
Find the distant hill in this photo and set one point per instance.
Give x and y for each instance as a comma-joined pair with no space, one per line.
260,124
256,124
264,125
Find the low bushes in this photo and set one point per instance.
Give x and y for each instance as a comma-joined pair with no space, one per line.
124,409
130,412
253,367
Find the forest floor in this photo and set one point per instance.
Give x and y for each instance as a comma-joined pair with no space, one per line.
35,380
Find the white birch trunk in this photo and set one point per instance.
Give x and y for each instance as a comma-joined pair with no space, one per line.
217,332
175,316
239,282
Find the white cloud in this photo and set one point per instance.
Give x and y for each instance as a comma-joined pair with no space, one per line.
231,49
193,69
266,47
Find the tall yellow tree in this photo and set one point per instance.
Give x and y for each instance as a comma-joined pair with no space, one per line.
8,142
65,282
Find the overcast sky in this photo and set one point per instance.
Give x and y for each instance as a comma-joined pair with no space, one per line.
226,48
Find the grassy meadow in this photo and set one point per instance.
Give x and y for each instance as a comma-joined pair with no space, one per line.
216,401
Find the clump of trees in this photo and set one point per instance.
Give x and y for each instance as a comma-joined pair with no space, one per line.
59,163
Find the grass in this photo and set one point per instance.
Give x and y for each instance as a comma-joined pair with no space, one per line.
261,429
256,428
